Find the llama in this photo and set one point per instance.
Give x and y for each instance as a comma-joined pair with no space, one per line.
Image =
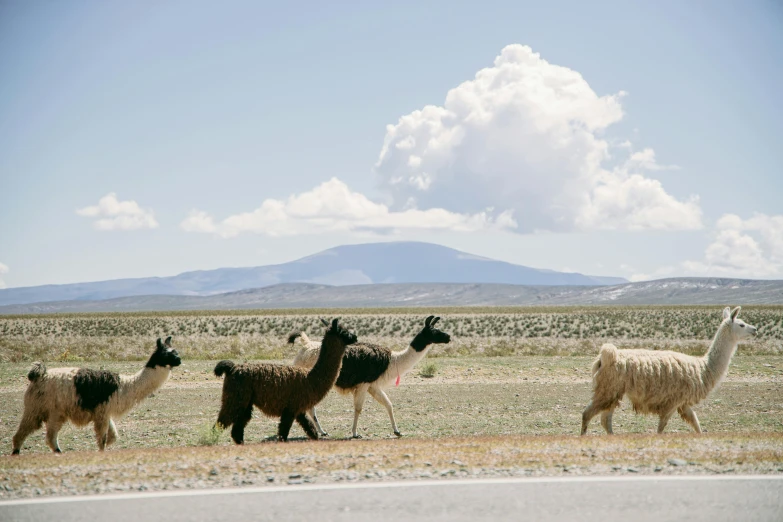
281,391
308,353
660,382
83,395
368,368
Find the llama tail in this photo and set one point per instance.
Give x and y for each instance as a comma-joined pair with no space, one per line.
607,357
36,372
298,335
224,367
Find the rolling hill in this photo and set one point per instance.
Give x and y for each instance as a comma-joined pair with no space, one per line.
690,291
370,263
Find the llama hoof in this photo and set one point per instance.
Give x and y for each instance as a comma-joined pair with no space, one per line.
324,434
15,453
357,436
398,433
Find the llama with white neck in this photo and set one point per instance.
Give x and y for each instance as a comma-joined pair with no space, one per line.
660,382
368,368
83,395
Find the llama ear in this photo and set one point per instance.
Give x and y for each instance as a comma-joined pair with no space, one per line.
726,313
324,322
428,320
735,313
432,324
167,342
334,323
160,344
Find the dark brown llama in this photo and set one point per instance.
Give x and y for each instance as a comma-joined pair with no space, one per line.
281,391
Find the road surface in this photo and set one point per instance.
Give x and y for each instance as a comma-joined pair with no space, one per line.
608,499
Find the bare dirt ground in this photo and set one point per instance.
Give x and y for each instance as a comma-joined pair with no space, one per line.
477,417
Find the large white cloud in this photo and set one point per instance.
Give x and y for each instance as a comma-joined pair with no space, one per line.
3,270
750,247
333,207
113,214
526,135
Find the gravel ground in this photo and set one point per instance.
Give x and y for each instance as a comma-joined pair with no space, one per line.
326,461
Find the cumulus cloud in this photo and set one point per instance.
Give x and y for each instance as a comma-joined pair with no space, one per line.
645,159
3,270
198,221
526,135
113,214
333,207
750,247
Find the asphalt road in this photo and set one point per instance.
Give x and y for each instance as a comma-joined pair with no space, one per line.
608,499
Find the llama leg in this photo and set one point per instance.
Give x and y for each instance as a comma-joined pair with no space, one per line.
101,426
29,423
380,396
307,425
224,419
53,426
664,420
239,422
587,415
606,420
689,416
235,401
359,396
286,420
112,434
317,424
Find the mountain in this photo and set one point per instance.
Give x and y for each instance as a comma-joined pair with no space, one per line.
690,291
370,263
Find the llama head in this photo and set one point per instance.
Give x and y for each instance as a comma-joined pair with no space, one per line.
164,355
429,335
337,330
739,328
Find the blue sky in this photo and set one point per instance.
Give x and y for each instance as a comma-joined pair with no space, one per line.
633,140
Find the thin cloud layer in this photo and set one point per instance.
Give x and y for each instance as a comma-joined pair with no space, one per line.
333,207
3,270
526,135
112,214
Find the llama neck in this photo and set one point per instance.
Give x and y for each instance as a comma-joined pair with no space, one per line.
330,358
403,361
135,388
719,355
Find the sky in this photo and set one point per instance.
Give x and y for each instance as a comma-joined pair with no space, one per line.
633,139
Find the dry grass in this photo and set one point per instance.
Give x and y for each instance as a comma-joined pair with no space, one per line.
468,396
484,331
505,399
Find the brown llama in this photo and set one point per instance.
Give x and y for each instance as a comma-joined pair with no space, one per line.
278,390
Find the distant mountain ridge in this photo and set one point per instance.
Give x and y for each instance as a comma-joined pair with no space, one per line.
684,291
369,263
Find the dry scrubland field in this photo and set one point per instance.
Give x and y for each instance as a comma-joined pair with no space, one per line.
503,398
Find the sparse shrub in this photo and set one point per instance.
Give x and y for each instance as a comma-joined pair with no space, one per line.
428,370
257,335
499,349
209,435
